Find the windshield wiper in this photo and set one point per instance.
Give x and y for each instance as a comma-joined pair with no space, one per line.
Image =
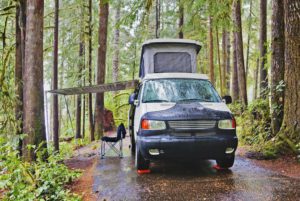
155,101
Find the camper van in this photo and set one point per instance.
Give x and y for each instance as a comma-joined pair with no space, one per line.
176,113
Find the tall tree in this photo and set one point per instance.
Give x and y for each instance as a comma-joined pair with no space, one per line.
234,72
79,98
33,93
277,64
102,39
219,62
228,69
211,51
292,66
224,60
249,38
19,64
116,44
240,53
55,79
256,79
181,18
263,48
91,117
157,18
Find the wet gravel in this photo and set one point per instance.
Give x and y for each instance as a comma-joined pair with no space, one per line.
116,179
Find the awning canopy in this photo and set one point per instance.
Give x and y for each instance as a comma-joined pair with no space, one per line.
117,86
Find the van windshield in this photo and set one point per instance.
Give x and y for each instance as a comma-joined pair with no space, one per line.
179,90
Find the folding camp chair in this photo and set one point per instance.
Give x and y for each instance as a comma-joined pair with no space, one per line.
112,142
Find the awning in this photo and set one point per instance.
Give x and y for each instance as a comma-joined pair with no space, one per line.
117,86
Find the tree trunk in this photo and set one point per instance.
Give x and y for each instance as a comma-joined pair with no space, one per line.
228,46
102,38
181,19
33,93
256,79
116,45
292,65
211,52
277,64
239,53
235,82
263,48
55,80
83,116
157,18
219,62
91,117
224,61
19,66
78,104
249,38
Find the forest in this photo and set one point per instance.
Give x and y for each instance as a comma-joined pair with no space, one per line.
250,50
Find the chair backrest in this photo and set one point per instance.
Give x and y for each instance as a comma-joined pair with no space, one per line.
121,132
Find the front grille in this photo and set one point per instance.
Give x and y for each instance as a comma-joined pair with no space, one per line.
194,125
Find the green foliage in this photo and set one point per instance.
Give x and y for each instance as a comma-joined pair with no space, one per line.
40,180
254,127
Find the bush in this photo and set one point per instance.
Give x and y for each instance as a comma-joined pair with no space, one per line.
254,127
40,180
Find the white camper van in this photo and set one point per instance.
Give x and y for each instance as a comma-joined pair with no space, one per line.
175,112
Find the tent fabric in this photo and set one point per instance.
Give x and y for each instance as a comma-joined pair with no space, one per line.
96,88
169,55
172,62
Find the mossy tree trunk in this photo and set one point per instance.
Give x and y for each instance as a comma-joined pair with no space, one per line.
263,48
277,64
102,38
292,66
90,99
33,93
19,65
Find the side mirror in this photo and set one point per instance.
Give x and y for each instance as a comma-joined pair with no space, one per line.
227,99
131,99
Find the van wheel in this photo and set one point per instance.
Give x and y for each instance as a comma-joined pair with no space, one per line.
140,162
226,162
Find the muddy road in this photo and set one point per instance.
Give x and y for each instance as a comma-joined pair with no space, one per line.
116,179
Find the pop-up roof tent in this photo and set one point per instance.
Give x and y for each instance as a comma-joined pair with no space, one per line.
169,55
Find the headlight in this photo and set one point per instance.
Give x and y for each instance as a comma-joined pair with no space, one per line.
227,124
153,125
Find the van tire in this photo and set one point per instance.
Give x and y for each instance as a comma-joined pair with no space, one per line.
140,162
226,162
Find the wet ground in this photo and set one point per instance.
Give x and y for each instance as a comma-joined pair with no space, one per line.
116,179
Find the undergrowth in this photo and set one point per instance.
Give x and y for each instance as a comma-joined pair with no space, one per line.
254,128
40,180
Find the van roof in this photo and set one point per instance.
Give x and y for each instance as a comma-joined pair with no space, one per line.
152,76
171,41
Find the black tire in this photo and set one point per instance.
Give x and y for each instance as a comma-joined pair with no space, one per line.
226,162
140,162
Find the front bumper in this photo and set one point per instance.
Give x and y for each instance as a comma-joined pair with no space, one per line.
187,147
